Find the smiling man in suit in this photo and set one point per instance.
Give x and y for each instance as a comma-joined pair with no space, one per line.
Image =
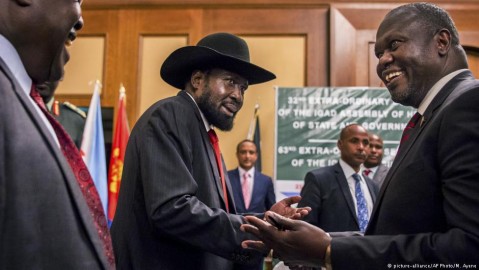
426,212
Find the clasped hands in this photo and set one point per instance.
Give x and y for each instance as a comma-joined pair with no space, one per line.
293,241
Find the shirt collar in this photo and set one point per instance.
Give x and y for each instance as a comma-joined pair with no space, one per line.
432,93
243,171
348,170
11,58
373,169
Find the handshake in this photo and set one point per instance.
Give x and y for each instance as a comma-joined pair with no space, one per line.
293,241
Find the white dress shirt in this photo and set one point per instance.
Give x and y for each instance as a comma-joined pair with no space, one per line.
10,56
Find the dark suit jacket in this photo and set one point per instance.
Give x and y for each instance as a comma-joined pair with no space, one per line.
170,213
427,209
326,191
262,198
45,222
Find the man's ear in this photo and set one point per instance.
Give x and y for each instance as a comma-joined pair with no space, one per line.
443,39
196,78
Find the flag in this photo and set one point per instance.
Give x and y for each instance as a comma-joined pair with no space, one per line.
93,146
120,139
254,135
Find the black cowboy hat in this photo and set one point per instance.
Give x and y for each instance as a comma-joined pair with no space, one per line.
219,50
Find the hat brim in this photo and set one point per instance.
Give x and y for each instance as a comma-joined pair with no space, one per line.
179,65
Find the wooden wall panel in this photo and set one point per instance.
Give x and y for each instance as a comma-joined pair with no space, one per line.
311,23
106,4
151,22
356,24
351,62
338,37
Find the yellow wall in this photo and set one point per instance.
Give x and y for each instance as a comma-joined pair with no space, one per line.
85,66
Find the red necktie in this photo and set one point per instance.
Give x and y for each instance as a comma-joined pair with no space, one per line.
216,147
409,127
367,172
245,189
72,154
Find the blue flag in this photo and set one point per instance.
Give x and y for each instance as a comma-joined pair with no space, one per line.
93,147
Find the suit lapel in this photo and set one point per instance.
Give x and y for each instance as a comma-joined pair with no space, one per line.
256,185
379,173
343,184
236,181
371,188
69,178
211,154
229,188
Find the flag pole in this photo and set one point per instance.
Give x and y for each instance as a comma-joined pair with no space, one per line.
122,90
252,125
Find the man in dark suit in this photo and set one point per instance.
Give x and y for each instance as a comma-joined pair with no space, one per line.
175,208
253,192
70,116
331,191
373,167
45,221
259,186
426,212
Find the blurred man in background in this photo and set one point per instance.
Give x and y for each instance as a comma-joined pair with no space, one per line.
373,167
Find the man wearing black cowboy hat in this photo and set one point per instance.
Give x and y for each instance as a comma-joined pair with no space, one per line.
175,208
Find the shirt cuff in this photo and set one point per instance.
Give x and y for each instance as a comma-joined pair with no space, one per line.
327,258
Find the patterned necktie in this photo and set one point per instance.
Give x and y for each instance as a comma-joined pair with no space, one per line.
216,147
361,203
409,127
245,189
83,177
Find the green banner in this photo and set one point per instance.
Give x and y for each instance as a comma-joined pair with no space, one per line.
309,120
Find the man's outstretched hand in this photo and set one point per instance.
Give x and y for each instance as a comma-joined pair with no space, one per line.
284,208
293,241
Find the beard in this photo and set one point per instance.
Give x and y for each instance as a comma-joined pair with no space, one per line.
410,97
206,103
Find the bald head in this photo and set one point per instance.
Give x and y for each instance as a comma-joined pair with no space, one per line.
353,142
416,45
